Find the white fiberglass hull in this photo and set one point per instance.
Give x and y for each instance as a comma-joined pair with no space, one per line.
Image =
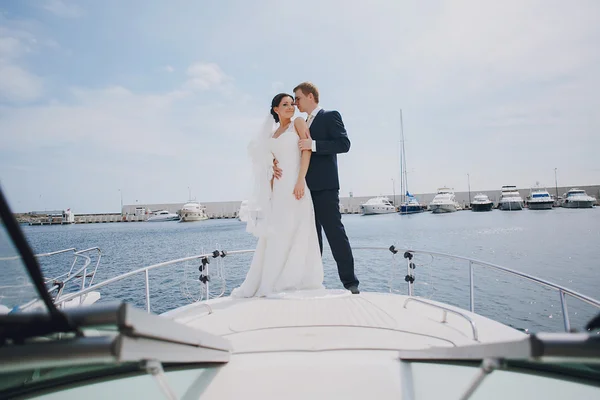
442,208
578,204
511,205
163,219
377,209
193,217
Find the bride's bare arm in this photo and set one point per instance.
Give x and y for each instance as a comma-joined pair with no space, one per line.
303,133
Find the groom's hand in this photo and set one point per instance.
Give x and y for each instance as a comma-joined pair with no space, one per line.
305,144
276,170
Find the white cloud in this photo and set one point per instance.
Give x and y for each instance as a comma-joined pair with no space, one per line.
204,76
113,118
120,120
10,48
483,47
17,85
168,68
63,9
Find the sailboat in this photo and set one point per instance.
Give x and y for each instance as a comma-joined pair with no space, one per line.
410,204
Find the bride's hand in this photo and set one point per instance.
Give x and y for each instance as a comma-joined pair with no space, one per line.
299,189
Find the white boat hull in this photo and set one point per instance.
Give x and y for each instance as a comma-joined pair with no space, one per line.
442,208
377,209
578,204
163,219
193,217
511,205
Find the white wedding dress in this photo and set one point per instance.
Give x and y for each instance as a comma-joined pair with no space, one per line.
289,258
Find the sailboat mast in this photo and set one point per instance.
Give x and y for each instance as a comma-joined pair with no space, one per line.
401,160
403,178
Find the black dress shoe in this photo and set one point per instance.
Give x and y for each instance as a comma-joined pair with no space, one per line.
354,289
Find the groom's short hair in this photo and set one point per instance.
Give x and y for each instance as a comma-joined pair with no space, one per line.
308,87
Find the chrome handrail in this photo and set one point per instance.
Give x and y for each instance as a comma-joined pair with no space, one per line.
83,269
53,253
70,275
445,313
472,262
561,289
144,270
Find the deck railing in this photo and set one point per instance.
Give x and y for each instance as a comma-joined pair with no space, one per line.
408,255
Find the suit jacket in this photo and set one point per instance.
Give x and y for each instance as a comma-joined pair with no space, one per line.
328,130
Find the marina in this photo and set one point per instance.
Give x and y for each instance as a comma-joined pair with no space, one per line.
348,205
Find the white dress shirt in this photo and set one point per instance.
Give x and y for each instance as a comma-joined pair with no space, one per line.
314,114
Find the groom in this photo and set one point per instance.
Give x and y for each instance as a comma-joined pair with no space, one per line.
327,139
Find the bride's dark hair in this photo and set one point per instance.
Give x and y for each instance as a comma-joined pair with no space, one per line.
275,103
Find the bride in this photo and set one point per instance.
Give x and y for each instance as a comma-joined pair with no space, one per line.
280,211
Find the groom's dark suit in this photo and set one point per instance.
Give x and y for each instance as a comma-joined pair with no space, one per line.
327,130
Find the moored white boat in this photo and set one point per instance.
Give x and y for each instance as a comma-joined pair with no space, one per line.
510,199
481,202
540,199
577,198
163,215
444,202
192,211
378,205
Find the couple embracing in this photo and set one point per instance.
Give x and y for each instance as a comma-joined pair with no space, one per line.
296,197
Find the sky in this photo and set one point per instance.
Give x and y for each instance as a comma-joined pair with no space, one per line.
149,100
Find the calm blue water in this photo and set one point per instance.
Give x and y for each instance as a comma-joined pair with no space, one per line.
560,245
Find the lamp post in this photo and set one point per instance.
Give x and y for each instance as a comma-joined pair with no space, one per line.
469,186
121,195
556,184
556,187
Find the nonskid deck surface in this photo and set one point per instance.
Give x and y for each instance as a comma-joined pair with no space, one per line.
336,320
332,344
